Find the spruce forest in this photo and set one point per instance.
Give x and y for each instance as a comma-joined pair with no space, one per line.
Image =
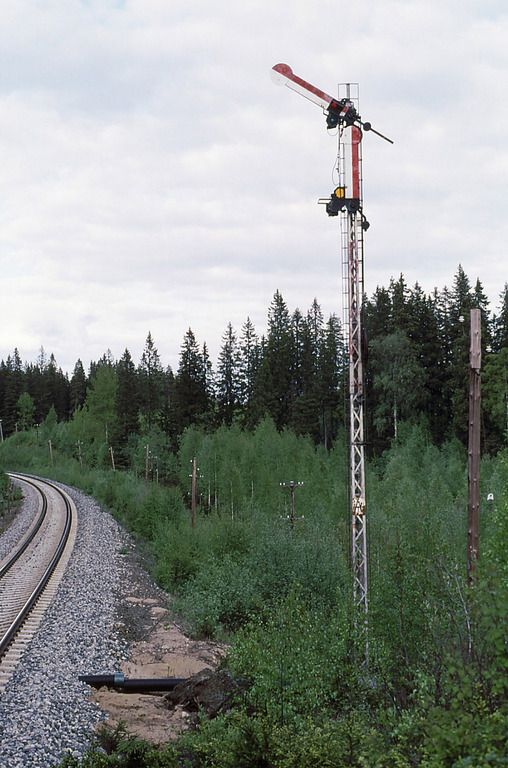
433,691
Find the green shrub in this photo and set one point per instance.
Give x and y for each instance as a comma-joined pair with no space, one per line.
294,655
240,740
176,550
221,596
132,753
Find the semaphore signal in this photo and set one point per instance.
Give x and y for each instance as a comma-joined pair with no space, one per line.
347,199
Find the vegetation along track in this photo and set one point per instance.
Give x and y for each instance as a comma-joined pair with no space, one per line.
30,574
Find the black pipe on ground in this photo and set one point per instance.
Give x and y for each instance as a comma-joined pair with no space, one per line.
123,684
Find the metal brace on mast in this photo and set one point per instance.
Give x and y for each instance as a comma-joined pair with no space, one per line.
346,199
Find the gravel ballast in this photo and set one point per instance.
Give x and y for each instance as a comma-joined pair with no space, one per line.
45,711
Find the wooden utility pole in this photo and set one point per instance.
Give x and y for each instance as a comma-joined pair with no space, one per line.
51,453
193,491
473,515
292,485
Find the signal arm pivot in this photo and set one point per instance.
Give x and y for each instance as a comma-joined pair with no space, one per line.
337,111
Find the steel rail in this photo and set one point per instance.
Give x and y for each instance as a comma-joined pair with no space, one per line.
17,554
29,604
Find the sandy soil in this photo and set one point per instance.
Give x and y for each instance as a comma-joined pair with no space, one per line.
159,648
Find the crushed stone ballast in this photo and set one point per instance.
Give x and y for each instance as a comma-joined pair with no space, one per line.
45,711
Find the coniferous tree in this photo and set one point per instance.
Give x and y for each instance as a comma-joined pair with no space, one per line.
41,384
152,384
262,396
208,383
333,367
106,359
191,396
481,302
495,399
13,387
461,304
399,296
168,415
423,332
77,387
35,385
55,390
442,302
315,324
294,374
126,407
228,380
278,360
377,323
249,355
416,315
299,330
305,396
500,339
378,314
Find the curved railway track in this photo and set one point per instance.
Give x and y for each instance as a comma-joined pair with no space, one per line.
30,574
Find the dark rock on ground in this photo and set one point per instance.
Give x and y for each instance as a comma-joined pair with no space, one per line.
209,691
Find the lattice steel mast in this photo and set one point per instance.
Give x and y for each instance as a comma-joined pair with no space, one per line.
346,199
353,225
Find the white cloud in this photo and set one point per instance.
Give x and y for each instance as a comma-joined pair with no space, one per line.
153,178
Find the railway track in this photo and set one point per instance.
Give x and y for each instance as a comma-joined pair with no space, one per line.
31,573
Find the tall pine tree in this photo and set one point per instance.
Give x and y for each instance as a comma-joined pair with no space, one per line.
13,386
460,310
77,387
278,360
249,355
333,368
126,408
228,380
152,383
191,395
500,340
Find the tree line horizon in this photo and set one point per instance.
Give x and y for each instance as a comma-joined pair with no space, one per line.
416,362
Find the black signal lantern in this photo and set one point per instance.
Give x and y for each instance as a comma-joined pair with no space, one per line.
341,111
333,116
338,202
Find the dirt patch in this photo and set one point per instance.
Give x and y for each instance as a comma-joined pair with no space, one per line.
159,647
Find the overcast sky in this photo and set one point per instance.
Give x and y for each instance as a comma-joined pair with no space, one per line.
153,178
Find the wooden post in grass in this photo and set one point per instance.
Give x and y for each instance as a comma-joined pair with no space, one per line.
291,517
473,516
193,491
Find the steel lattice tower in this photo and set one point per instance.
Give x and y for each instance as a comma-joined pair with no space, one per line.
346,199
353,224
